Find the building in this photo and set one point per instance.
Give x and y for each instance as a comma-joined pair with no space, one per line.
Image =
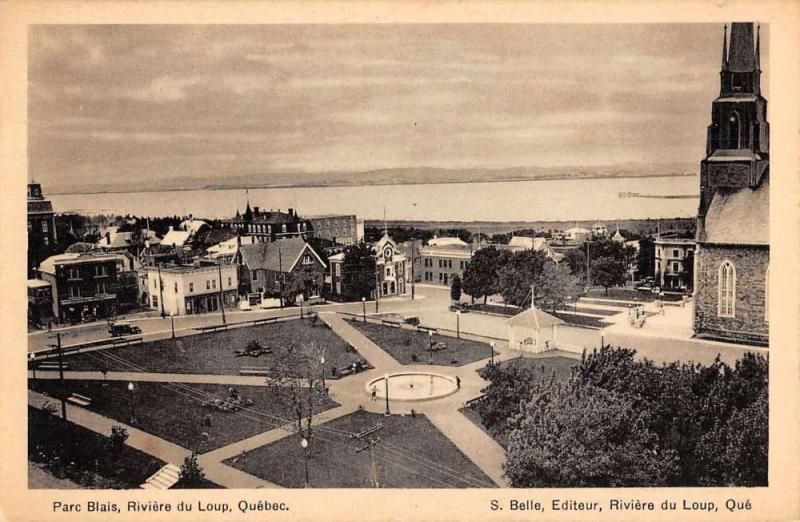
732,257
226,250
192,289
89,286
446,241
41,228
599,230
390,268
674,260
440,263
270,225
522,243
273,268
40,302
577,234
410,249
340,229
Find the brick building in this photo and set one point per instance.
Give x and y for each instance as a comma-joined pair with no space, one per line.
269,225
732,259
340,229
41,228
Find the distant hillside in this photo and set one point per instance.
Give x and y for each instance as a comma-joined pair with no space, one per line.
393,176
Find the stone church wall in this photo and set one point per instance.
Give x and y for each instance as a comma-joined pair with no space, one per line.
749,323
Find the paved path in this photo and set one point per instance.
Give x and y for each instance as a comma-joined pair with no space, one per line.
376,356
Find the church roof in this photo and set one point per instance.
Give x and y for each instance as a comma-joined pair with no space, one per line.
739,217
741,54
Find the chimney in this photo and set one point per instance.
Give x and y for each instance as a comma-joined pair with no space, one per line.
255,210
108,238
291,212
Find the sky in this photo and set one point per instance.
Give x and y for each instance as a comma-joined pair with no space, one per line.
135,102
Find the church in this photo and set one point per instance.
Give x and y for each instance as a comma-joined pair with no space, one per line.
732,259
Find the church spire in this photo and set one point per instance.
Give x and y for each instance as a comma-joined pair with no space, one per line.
725,48
741,53
758,48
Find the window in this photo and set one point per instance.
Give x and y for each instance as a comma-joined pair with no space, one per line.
75,291
46,240
449,263
44,226
440,277
208,285
269,229
676,253
74,273
30,226
255,275
191,288
189,304
676,266
307,260
101,287
214,284
283,228
338,287
229,282
100,270
338,270
388,272
726,298
155,300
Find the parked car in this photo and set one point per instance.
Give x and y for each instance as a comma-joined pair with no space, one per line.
413,320
459,307
120,329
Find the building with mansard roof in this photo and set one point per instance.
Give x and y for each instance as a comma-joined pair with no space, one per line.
732,258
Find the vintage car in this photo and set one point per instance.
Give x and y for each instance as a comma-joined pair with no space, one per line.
120,329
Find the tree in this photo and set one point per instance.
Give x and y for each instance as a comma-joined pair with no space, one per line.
455,289
300,281
192,475
645,260
508,387
688,270
119,436
523,270
574,435
555,286
575,259
608,272
480,276
358,271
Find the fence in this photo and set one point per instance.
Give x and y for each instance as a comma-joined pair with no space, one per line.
113,342
423,328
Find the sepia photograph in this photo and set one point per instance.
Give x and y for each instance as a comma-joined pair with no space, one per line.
398,256
399,263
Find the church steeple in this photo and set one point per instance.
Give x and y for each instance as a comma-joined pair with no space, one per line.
740,70
724,66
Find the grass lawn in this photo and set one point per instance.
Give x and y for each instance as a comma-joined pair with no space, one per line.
582,320
403,344
412,453
74,453
494,309
174,411
213,353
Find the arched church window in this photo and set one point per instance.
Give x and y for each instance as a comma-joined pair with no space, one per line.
726,288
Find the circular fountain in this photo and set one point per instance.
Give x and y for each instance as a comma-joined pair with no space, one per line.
413,386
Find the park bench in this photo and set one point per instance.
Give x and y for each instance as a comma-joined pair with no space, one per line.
80,400
438,346
368,431
252,353
255,370
472,402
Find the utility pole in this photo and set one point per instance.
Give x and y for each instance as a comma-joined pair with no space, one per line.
413,246
280,270
161,292
221,294
588,273
61,376
373,466
377,285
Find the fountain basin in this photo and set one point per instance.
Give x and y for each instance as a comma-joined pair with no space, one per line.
413,386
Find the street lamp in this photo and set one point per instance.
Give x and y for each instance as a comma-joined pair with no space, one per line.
458,324
386,381
172,318
491,345
32,357
430,345
364,306
304,444
133,411
322,361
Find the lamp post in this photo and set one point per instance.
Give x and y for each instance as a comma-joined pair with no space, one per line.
322,361
304,444
172,318
430,345
491,347
386,382
31,357
364,306
133,410
458,324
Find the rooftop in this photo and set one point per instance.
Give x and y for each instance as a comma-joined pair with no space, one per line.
739,217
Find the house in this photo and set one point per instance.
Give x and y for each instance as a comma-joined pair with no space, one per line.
89,286
442,262
390,267
272,268
521,243
671,263
269,225
577,234
532,330
176,237
599,230
340,229
40,302
226,250
731,290
410,249
41,228
446,241
192,289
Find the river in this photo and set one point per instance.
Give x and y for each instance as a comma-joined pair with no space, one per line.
545,200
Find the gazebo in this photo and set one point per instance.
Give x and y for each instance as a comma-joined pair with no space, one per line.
532,331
